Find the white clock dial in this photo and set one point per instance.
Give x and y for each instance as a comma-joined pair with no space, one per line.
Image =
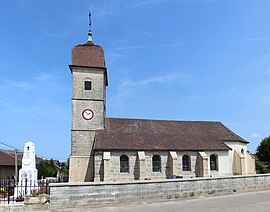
87,114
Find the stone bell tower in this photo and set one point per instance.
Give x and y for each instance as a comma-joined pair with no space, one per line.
89,81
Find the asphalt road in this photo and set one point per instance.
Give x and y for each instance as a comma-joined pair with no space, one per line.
240,202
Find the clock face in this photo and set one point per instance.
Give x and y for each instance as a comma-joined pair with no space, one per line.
87,114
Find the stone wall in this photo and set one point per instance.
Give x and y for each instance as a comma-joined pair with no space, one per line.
93,194
80,168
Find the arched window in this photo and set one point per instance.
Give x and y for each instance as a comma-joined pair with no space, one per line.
186,163
156,163
87,84
124,164
213,162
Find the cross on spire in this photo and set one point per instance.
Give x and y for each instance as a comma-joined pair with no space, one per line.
90,26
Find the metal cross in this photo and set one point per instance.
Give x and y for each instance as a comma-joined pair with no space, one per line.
90,23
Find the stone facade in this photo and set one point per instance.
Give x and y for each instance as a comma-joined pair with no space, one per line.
171,164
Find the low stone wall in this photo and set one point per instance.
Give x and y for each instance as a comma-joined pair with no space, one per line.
99,194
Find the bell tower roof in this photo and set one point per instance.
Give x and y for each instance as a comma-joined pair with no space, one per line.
89,55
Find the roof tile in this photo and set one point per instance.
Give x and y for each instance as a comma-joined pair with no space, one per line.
142,134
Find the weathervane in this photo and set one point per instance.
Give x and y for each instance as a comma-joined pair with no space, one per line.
90,26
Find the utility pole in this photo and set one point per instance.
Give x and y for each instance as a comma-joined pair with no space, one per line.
16,165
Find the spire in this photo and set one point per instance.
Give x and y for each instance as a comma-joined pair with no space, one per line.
90,26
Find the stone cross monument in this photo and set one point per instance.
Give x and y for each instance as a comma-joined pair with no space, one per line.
28,172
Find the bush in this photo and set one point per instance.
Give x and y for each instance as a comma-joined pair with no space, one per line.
259,167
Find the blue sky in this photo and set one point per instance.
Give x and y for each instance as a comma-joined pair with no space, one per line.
166,59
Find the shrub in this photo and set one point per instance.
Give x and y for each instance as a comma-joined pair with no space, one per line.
259,167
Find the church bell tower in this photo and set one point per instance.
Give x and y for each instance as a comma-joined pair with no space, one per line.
89,81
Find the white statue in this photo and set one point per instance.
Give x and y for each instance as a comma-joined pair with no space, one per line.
28,172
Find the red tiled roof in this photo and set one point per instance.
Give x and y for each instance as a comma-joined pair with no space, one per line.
7,158
88,54
140,134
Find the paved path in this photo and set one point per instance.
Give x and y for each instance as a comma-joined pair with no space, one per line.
238,202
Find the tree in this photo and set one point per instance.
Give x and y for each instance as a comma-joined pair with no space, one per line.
259,167
46,168
263,150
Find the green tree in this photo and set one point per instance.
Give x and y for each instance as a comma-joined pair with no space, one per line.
259,167
263,150
46,168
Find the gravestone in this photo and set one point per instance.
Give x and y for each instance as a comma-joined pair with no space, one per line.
28,173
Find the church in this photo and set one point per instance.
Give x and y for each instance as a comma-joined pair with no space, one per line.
117,149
